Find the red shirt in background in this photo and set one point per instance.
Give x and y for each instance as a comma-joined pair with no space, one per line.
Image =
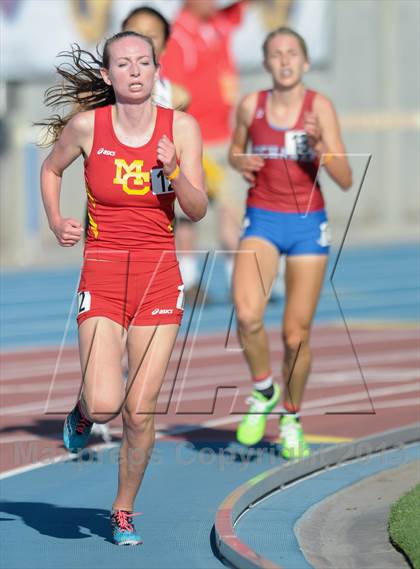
198,56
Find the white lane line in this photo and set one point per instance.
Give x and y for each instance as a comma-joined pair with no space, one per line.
38,369
8,439
162,431
371,374
47,364
47,462
34,370
239,374
207,396
159,434
40,387
319,339
361,407
361,330
374,393
224,393
179,430
322,363
201,390
331,379
39,407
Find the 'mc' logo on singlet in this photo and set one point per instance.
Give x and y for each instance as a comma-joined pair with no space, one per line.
130,176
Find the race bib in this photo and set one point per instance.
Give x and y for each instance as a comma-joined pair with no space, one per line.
83,301
160,184
297,145
181,298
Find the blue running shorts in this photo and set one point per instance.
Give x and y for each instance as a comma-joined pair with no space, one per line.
291,233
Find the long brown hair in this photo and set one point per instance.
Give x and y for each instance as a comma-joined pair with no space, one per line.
82,85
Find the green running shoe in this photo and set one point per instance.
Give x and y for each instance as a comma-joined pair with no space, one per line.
292,439
252,427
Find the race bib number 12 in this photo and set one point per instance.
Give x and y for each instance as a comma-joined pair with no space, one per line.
160,184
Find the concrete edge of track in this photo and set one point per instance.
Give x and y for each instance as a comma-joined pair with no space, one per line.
238,553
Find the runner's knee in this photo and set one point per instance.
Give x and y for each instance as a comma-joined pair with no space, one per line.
249,320
138,422
101,410
295,337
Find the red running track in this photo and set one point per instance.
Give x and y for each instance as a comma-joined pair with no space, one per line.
207,398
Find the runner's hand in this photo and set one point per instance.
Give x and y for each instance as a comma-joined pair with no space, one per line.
249,166
68,231
166,153
312,128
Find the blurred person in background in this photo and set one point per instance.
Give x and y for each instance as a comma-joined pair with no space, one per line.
138,157
199,57
149,22
292,131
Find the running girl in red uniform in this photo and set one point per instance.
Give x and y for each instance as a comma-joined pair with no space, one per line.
292,131
138,158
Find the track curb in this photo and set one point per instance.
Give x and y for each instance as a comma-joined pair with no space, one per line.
238,553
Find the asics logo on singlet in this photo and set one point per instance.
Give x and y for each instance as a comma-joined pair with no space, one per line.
162,311
106,152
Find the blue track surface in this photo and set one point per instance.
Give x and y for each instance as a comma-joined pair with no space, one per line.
268,527
56,516
373,283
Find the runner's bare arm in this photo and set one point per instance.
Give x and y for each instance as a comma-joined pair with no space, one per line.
246,165
331,143
189,183
75,139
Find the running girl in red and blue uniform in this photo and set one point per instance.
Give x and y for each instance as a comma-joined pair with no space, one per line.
292,131
138,158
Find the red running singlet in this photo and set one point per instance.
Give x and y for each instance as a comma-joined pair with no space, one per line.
130,202
288,180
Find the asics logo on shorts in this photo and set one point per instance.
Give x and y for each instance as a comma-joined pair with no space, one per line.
106,152
162,311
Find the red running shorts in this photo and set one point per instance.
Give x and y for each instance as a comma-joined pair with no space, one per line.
131,288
